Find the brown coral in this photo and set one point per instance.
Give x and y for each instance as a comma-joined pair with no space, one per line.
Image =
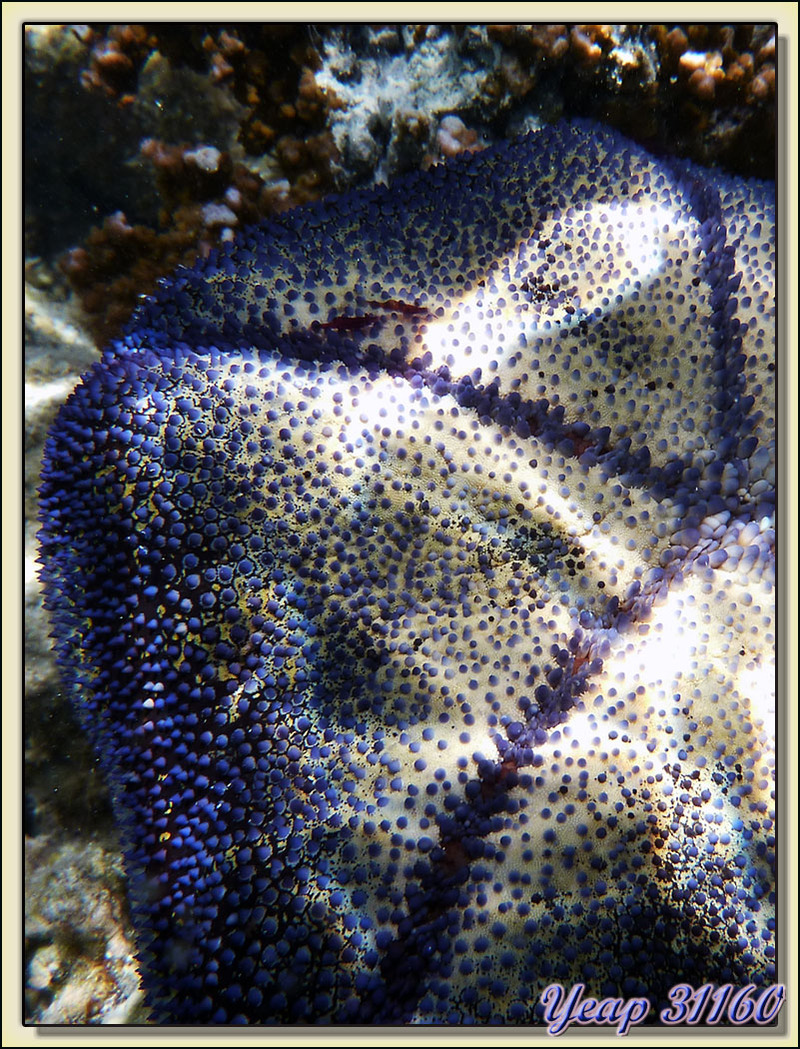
533,42
203,194
705,91
120,262
718,91
116,58
270,69
719,63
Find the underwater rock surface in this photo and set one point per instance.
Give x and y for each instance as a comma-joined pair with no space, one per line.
411,568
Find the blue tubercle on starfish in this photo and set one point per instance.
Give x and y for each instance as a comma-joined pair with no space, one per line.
410,562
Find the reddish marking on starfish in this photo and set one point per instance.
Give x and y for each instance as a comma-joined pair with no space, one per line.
411,309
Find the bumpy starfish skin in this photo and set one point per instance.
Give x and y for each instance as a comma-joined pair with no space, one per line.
411,565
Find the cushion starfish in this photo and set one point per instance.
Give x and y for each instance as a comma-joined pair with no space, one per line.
410,562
